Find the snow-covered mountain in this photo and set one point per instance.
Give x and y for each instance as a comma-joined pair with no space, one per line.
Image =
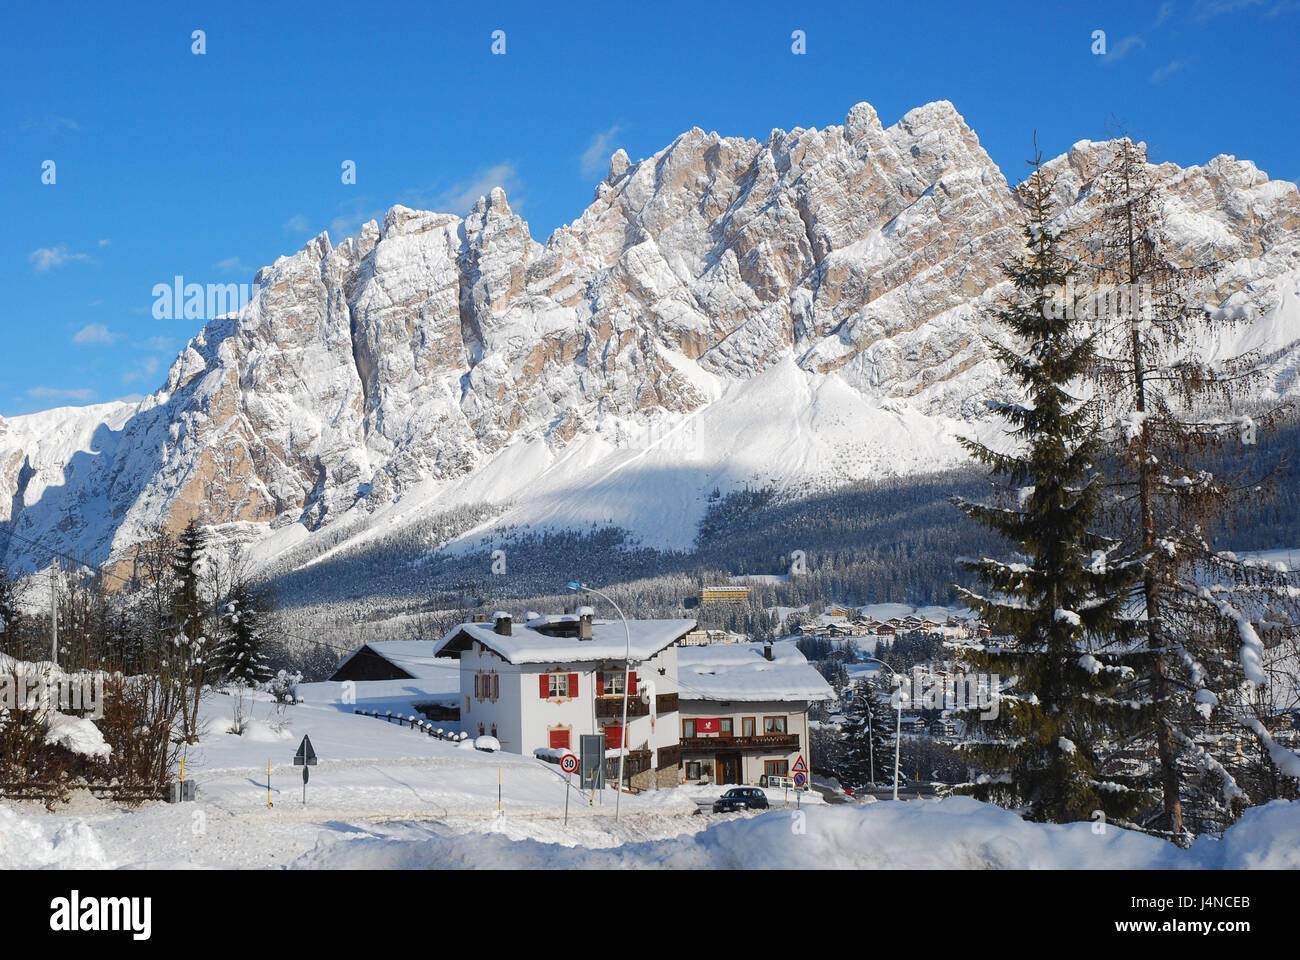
803,310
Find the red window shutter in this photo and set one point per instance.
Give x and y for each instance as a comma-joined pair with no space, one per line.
573,684
559,739
546,685
478,687
631,684
600,684
614,737
496,686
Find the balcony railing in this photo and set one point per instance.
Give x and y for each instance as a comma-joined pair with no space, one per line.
611,707
769,741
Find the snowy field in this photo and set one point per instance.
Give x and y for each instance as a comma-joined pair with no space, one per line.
388,797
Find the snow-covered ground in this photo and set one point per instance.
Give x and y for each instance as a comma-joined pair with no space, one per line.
373,779
387,796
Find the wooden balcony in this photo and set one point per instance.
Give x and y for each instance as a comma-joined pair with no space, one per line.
636,761
771,741
611,708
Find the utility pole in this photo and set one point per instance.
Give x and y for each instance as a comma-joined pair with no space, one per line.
54,611
627,670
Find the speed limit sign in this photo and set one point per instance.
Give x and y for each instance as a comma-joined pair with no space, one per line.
568,763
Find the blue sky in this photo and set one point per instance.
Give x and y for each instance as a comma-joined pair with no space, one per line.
209,166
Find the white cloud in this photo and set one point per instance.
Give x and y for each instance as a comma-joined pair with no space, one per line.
145,368
1168,70
1122,49
354,214
232,265
56,393
158,344
297,224
1206,10
105,243
52,124
461,197
94,334
596,157
44,258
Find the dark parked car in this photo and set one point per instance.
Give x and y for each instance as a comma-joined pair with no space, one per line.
740,798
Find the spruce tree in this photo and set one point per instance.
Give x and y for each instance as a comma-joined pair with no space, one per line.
1052,608
191,646
241,659
867,737
10,616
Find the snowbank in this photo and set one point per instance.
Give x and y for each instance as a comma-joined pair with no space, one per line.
28,843
76,734
954,833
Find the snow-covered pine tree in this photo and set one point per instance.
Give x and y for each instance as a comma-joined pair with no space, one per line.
1169,410
10,616
867,749
1050,610
241,660
191,646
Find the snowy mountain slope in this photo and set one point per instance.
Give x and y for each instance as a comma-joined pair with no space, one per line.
805,310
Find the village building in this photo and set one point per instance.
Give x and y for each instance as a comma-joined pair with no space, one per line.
700,638
744,710
399,675
724,595
540,685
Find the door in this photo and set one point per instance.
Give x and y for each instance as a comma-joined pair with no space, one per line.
728,768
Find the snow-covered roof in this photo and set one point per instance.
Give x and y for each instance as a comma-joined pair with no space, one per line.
740,672
417,657
531,643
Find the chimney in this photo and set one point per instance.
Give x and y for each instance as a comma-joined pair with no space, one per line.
767,651
585,615
502,626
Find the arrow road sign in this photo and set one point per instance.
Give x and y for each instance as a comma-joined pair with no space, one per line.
305,756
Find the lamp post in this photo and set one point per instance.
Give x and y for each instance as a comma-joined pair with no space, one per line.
898,732
627,669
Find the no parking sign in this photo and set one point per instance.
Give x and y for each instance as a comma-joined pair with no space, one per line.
800,771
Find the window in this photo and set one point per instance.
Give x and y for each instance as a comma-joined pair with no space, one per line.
688,729
496,686
773,725
693,770
613,737
746,726
480,728
558,685
614,684
724,729
560,737
494,729
776,768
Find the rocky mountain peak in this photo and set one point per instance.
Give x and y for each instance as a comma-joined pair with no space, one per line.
850,263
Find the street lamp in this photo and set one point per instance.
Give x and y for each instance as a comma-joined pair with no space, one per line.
627,669
898,733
